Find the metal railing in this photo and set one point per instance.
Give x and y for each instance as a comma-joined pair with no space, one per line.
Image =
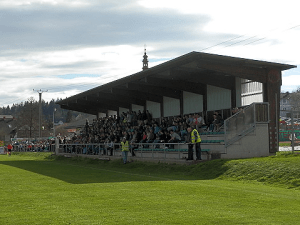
141,150
34,148
244,122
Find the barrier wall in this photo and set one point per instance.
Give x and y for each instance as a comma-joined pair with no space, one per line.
285,134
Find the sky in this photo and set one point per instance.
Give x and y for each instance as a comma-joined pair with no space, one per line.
63,47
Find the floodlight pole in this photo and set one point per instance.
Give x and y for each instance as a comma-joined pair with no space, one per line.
53,122
293,132
40,111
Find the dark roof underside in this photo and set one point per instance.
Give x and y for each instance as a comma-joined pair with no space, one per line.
191,72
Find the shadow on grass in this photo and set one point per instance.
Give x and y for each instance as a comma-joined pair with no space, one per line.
79,170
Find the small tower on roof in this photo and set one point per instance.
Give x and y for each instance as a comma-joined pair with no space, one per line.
145,60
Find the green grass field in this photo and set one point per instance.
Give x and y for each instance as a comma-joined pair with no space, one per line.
41,189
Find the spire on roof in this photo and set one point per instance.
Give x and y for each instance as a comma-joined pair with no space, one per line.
145,60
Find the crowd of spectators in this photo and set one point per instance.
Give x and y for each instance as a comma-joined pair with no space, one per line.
139,127
36,146
135,127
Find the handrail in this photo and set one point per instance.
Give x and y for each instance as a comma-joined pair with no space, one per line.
26,148
102,149
244,122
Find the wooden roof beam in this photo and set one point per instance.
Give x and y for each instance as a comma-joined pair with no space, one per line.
142,88
184,85
245,72
139,95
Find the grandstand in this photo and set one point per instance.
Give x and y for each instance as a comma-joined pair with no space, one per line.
244,92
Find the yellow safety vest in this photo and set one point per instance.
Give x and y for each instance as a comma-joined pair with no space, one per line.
195,136
125,146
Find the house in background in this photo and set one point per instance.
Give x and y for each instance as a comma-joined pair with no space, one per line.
289,102
7,127
285,104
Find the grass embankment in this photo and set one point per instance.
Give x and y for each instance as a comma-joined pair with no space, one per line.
280,170
43,189
285,144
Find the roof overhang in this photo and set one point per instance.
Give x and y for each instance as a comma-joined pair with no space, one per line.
191,72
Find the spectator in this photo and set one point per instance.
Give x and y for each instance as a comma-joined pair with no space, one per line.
144,137
125,149
198,121
109,146
217,122
129,117
133,142
144,116
149,116
157,140
183,130
116,141
150,137
193,138
166,137
174,138
134,119
139,117
156,128
173,127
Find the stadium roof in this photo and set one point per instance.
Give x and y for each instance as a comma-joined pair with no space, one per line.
191,72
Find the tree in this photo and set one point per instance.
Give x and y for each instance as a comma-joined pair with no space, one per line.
69,117
295,99
28,118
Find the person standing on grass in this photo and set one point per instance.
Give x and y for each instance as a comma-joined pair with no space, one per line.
9,149
125,149
193,138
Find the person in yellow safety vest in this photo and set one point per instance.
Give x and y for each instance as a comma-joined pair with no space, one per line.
193,138
125,149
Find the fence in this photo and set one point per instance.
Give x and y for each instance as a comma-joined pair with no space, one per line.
135,148
157,151
34,148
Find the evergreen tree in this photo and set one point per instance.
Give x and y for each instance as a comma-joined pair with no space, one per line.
69,116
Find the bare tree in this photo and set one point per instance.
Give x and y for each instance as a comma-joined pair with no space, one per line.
29,116
295,99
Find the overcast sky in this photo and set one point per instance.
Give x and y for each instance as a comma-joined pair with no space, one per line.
65,47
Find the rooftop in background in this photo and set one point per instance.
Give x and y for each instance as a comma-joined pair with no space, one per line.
6,118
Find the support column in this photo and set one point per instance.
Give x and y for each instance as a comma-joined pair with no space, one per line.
162,113
205,99
181,103
273,95
233,96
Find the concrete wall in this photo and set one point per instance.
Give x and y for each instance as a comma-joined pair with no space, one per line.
154,109
192,103
171,106
101,115
121,110
136,108
255,144
218,98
